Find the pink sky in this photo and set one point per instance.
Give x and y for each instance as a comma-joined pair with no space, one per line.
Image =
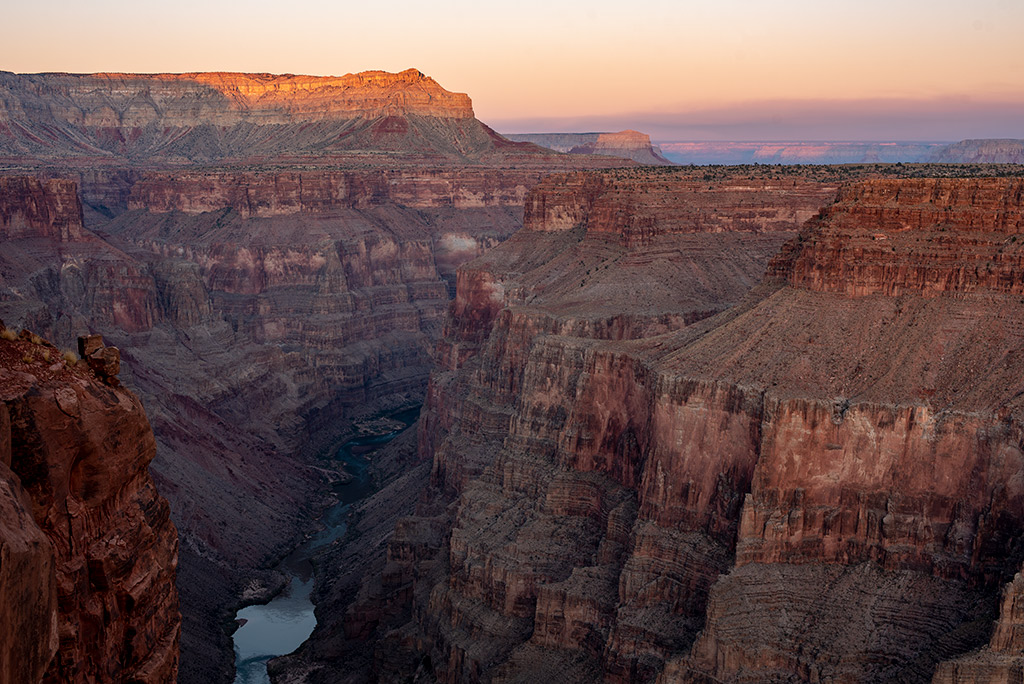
687,70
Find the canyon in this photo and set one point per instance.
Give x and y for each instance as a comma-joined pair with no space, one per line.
636,478
680,424
266,293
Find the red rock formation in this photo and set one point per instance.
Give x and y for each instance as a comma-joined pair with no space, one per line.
106,119
819,483
88,546
30,207
507,303
261,305
318,192
928,236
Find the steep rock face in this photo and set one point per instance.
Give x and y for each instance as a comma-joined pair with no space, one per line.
929,236
133,100
524,318
276,194
90,539
254,337
267,301
821,482
201,117
28,624
30,207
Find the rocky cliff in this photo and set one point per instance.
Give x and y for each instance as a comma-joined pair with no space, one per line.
274,254
88,548
202,117
684,251
262,311
820,482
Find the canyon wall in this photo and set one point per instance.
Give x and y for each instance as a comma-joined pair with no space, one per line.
274,254
88,548
251,333
818,479
612,257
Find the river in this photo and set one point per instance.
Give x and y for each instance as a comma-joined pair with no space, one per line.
282,625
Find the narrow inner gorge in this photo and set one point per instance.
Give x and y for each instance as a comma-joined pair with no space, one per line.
280,626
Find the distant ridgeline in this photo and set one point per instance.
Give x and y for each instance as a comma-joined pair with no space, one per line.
626,144
994,151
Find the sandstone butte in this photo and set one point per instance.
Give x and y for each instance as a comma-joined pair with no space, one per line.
87,548
821,482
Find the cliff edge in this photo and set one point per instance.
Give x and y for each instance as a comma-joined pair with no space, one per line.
87,549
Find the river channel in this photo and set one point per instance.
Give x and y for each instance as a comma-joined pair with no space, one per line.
282,625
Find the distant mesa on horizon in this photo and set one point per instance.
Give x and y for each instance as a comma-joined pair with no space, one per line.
227,98
997,151
628,144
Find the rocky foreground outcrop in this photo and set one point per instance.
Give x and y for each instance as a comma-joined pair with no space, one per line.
822,482
87,549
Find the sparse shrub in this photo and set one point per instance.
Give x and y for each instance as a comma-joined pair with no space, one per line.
28,358
9,335
46,355
70,357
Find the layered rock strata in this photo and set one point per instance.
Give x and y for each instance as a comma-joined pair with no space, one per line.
176,119
88,548
566,276
261,303
821,482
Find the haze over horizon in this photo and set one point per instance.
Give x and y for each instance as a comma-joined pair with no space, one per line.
702,70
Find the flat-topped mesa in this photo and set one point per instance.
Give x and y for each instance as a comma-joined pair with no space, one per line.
30,207
927,236
624,139
135,100
175,119
638,205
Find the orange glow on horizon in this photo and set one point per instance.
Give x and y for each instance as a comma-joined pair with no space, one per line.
562,59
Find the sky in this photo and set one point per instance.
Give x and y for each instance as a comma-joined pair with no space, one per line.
680,69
